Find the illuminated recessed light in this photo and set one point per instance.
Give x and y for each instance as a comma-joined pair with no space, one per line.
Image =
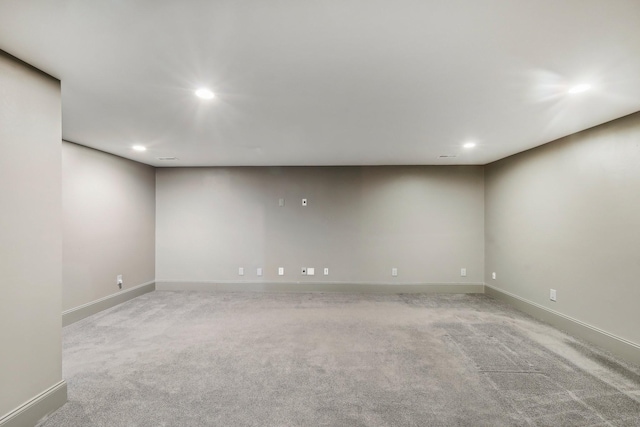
204,93
579,88
139,148
469,145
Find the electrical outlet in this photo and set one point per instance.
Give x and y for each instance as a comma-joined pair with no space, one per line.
394,271
241,271
493,275
311,271
119,281
326,271
280,271
463,272
552,294
259,271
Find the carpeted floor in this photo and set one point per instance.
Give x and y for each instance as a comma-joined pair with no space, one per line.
266,359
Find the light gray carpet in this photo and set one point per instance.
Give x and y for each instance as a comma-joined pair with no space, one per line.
260,359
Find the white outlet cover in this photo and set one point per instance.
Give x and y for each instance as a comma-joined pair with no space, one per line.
119,278
463,272
259,271
552,294
280,271
394,271
281,202
311,271
326,271
493,275
304,202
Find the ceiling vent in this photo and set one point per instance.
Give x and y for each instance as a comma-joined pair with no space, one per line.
450,156
167,159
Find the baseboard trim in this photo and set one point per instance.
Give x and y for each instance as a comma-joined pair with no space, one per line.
618,346
333,287
78,313
32,412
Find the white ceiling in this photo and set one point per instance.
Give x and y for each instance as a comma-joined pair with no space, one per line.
329,82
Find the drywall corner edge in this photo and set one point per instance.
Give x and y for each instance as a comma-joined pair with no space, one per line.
625,350
38,408
78,313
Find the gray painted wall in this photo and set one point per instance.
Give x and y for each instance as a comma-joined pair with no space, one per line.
567,216
30,234
360,222
108,224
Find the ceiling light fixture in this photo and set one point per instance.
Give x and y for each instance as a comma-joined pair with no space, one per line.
139,148
583,87
469,145
204,93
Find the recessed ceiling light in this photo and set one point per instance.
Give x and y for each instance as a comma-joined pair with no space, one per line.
139,148
204,93
583,87
469,145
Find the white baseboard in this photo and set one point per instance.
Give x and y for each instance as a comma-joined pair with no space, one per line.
32,412
388,288
618,346
78,313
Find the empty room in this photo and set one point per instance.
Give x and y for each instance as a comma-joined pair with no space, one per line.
328,213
